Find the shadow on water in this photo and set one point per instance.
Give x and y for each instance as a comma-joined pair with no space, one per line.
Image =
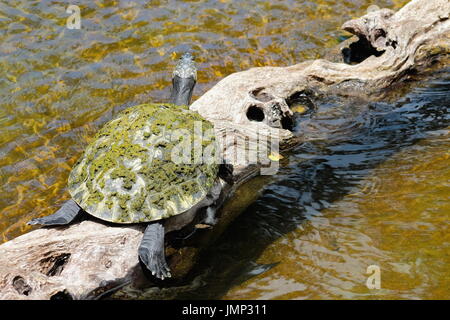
342,148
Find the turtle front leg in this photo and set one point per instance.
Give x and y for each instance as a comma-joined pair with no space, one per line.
65,215
151,251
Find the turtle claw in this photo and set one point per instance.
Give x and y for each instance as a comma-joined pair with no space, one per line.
33,222
155,263
164,271
158,268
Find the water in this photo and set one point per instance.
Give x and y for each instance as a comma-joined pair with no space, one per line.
374,195
369,187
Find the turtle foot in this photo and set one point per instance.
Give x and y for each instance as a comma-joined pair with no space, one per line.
151,251
65,215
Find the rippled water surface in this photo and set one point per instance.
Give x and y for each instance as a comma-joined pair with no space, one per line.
373,189
375,193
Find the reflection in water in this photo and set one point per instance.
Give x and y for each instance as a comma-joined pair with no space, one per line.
369,186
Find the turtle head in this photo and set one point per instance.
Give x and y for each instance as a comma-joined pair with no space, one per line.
183,80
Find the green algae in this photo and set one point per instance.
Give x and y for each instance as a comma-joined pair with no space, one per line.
138,145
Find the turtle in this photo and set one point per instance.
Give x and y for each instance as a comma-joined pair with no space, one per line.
127,174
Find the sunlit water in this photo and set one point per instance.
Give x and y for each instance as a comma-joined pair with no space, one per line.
369,188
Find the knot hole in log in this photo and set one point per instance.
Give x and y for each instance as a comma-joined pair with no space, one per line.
360,50
260,95
21,286
255,113
302,98
54,265
269,109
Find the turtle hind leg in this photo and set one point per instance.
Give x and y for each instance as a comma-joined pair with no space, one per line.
65,215
151,251
216,201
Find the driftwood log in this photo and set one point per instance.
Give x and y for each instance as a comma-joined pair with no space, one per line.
90,259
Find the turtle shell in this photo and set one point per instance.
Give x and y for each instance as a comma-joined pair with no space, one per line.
140,166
